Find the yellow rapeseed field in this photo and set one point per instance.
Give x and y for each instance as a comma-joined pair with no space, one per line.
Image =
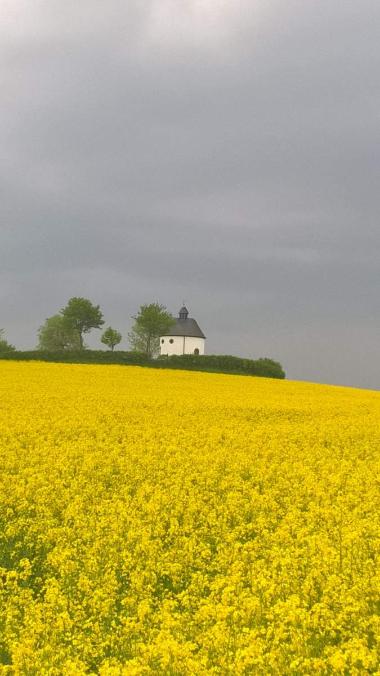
160,522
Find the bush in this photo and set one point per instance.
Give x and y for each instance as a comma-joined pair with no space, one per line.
266,368
80,357
5,347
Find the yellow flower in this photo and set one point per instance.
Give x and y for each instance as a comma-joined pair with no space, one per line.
157,522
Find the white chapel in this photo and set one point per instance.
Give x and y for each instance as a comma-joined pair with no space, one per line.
184,337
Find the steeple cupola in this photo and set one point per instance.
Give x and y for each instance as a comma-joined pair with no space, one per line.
183,313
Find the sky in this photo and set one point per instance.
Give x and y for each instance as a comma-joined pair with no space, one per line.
221,153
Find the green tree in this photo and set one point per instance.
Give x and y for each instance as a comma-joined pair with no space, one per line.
55,335
4,345
81,316
111,337
151,322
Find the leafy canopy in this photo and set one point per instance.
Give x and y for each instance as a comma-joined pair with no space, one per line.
4,345
111,338
81,316
152,321
55,335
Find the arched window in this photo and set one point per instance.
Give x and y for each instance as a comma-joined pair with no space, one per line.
162,340
196,351
171,340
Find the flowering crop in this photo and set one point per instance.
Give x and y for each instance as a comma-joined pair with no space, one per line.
157,522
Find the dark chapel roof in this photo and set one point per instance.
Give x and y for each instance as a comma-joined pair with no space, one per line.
185,326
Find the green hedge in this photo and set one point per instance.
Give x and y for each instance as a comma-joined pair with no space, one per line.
266,368
79,357
215,363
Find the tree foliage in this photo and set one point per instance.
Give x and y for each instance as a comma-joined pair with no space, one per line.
4,345
80,315
55,335
111,338
152,321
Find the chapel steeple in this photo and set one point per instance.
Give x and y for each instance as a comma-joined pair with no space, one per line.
183,313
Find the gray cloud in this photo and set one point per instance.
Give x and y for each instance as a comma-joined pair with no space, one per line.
225,153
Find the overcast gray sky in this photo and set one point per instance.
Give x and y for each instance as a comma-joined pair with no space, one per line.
225,153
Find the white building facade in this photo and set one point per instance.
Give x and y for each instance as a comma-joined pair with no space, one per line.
184,337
